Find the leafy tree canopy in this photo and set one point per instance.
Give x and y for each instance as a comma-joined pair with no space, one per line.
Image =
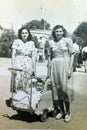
38,24
81,33
6,40
1,27
8,36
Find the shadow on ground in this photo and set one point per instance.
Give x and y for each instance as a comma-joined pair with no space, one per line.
23,116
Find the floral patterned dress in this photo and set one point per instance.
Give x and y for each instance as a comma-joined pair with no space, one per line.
23,60
62,86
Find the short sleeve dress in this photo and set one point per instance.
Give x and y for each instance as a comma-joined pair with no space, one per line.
62,87
23,58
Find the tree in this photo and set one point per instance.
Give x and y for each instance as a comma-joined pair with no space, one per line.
38,24
35,39
6,40
81,33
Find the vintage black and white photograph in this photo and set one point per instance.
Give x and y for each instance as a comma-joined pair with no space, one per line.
43,64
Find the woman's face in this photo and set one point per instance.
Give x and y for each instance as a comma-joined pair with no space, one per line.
59,33
24,34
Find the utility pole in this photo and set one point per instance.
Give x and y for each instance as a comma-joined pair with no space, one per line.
43,38
12,26
43,9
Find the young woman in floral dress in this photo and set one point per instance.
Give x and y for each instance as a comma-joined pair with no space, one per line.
23,56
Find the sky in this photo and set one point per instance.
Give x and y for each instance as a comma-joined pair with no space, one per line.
69,13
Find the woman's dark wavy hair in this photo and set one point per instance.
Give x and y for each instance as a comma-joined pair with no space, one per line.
57,27
19,33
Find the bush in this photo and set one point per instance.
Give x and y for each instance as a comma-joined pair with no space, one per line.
5,49
6,41
35,40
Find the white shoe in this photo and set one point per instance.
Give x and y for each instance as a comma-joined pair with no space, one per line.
67,118
59,116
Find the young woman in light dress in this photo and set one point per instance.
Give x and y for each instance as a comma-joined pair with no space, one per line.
61,71
23,56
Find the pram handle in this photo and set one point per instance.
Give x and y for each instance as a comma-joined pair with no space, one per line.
15,69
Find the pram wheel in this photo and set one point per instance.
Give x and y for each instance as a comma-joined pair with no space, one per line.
43,117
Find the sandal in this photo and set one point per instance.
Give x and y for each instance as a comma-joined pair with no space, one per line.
59,116
67,118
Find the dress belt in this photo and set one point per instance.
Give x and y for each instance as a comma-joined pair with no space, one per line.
61,56
28,55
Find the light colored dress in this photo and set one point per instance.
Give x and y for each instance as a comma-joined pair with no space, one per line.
62,87
23,59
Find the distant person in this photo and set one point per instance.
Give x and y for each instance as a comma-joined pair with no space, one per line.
80,57
61,71
84,55
76,47
23,55
84,52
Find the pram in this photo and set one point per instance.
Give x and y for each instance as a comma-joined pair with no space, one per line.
35,99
